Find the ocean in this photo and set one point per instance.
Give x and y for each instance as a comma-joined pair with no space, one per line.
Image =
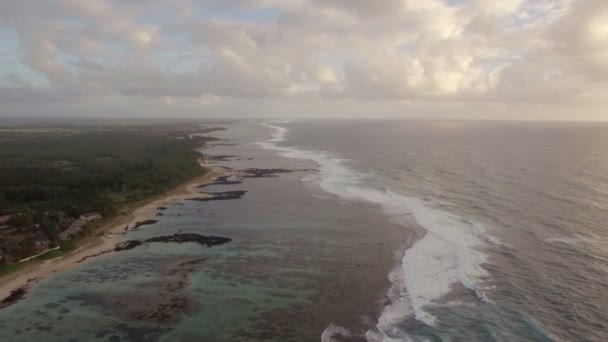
384,231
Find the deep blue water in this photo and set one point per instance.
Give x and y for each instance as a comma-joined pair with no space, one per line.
516,244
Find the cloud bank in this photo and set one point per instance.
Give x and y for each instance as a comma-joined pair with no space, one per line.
522,59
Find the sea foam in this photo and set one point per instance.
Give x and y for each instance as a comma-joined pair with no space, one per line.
448,254
332,332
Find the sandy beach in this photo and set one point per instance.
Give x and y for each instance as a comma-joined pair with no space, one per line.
112,234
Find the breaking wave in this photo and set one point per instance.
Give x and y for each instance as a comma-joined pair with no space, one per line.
448,254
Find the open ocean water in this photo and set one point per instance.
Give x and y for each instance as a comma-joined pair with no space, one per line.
515,218
385,231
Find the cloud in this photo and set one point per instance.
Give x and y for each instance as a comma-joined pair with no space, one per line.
428,54
581,38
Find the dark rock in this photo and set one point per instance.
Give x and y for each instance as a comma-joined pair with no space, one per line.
260,173
220,157
175,238
191,237
192,262
216,196
15,296
119,247
126,245
134,333
144,223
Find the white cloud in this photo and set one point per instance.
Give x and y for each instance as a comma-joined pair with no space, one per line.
408,54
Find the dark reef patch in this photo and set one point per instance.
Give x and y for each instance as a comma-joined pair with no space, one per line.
173,302
219,196
202,240
126,245
138,333
150,307
15,296
262,173
143,223
217,158
191,237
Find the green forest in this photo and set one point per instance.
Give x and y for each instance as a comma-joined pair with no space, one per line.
51,176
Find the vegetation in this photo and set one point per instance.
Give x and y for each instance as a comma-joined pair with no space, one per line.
49,177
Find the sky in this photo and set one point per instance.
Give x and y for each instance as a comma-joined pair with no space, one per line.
454,59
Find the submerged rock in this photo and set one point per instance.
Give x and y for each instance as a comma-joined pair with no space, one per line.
172,302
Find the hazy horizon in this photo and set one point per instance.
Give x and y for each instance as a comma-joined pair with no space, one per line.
83,120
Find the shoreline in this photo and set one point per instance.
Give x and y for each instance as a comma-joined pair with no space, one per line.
105,236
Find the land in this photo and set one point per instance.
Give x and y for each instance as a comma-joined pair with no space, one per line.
105,237
56,180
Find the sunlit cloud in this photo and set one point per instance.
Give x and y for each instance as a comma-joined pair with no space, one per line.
403,58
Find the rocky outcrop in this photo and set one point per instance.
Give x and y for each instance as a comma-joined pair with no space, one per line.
262,173
203,240
126,245
143,223
200,239
15,296
217,196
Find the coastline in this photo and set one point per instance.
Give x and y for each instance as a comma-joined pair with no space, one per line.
325,267
106,236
